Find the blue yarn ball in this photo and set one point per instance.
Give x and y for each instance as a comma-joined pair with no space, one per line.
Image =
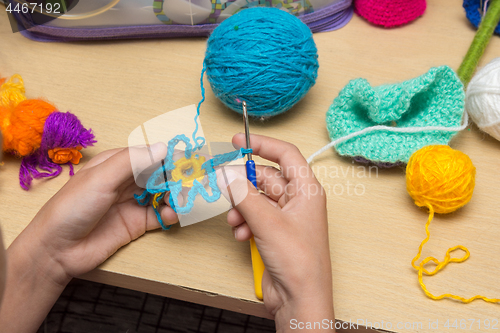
263,56
472,8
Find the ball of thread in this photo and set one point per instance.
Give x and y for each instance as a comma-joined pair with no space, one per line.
482,98
263,56
440,178
22,126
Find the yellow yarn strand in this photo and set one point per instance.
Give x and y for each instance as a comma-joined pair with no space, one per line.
440,265
155,200
12,92
441,179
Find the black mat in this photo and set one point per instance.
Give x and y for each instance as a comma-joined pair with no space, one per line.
98,308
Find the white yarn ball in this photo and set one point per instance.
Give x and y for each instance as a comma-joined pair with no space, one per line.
482,98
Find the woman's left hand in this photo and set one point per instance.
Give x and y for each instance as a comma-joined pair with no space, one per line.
81,226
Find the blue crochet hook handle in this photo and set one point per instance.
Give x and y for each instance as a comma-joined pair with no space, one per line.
257,263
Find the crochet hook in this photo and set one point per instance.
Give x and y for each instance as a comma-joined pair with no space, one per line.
257,264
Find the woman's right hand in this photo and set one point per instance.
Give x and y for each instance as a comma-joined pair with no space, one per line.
288,220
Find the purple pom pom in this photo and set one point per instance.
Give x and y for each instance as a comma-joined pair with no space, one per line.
61,130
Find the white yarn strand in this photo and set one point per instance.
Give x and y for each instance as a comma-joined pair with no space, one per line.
465,122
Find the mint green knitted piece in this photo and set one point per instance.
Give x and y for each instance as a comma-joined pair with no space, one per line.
433,99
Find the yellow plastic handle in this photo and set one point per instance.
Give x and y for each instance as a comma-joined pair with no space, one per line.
258,268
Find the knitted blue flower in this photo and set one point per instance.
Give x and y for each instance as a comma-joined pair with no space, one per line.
161,182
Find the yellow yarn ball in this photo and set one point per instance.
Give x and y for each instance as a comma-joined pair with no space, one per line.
440,178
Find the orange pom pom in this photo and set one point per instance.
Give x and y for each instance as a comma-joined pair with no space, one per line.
22,126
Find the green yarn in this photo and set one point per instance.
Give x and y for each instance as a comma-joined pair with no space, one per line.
433,99
481,40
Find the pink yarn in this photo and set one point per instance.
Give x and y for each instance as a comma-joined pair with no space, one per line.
389,13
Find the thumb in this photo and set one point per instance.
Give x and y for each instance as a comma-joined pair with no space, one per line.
129,162
247,199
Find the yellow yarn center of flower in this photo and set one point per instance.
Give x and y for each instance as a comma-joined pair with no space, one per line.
188,170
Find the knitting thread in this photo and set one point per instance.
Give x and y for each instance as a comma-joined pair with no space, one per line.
21,120
386,124
390,13
159,184
23,126
63,138
475,11
34,130
12,92
263,56
482,98
187,172
390,129
481,40
441,179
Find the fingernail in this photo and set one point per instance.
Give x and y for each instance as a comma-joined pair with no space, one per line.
235,232
232,184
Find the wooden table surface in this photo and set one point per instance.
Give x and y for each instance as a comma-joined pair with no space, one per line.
116,86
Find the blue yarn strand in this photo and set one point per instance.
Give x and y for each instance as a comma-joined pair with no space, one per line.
158,215
199,142
143,199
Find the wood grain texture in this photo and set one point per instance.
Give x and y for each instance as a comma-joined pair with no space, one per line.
116,86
